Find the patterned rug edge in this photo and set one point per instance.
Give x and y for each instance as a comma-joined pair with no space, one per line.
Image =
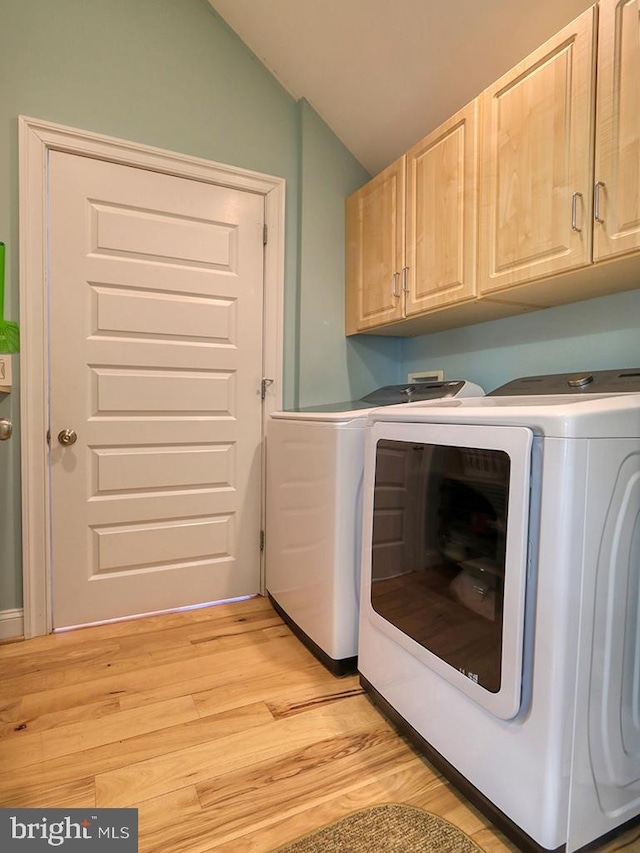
421,832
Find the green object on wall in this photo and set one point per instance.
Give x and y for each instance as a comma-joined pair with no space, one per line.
9,331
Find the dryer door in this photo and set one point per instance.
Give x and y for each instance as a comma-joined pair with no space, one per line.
448,551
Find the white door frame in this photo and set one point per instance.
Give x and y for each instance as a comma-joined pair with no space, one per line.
36,139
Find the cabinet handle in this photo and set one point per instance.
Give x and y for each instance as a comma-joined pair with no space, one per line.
405,283
394,282
596,201
574,212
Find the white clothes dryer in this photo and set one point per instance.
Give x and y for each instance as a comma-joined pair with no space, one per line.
313,514
500,627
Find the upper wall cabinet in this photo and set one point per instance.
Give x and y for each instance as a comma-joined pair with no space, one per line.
375,250
558,193
411,244
537,168
617,171
441,215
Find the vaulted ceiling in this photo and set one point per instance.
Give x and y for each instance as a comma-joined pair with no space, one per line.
383,73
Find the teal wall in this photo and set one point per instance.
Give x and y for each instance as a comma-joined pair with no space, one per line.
171,74
331,367
596,334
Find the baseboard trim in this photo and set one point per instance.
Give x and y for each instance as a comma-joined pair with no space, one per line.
11,624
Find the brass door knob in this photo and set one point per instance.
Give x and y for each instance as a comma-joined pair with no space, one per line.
67,437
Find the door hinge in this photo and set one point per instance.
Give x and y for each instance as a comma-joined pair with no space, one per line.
49,437
264,234
263,387
262,538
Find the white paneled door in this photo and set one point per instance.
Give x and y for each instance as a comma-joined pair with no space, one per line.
156,307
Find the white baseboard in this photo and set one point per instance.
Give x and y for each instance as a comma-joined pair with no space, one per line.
11,624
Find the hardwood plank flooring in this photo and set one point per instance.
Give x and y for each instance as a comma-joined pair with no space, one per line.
218,725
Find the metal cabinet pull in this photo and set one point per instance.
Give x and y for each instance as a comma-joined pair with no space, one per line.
405,283
596,201
574,212
394,282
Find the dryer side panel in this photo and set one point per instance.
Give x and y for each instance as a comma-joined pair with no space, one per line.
606,775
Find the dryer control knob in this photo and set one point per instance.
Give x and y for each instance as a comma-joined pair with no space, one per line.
580,381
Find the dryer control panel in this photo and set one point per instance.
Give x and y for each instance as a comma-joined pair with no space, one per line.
583,382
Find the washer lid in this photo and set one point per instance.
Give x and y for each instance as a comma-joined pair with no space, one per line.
344,411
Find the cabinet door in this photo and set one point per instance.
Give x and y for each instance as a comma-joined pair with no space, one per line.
375,250
537,163
617,224
442,176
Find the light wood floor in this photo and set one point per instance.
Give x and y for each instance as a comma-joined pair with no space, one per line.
217,724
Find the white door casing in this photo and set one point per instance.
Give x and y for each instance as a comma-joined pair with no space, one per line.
37,142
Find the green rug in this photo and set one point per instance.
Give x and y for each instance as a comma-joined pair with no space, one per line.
392,828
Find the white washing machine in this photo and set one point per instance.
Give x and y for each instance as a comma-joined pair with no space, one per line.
500,627
313,524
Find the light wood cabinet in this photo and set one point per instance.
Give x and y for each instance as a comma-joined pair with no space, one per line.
441,215
553,205
375,250
617,169
411,231
537,165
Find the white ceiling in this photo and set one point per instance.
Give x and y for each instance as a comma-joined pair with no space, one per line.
383,73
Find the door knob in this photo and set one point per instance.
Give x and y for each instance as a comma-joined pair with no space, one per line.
67,437
6,429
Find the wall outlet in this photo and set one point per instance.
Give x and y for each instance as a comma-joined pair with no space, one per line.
5,373
426,376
